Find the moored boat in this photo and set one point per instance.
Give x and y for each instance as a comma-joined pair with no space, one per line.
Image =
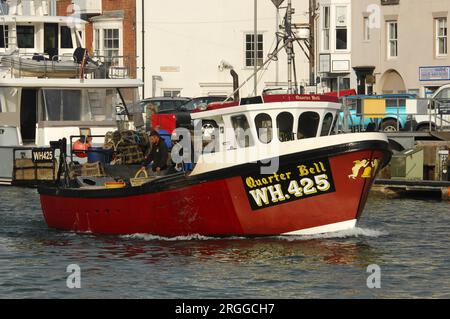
29,67
274,168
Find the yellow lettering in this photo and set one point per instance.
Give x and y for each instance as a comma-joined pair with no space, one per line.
303,170
250,182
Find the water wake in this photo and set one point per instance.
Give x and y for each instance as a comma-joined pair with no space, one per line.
351,233
148,237
356,232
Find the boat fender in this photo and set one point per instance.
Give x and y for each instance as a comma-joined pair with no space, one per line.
79,148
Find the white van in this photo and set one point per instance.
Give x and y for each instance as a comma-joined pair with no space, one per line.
435,112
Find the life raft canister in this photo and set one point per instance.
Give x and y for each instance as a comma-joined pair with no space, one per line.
79,148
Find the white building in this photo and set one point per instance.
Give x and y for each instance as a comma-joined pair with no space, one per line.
334,42
401,46
186,41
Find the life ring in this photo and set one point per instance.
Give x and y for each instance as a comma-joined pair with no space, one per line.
79,148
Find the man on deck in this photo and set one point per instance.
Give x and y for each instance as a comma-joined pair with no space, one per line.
159,154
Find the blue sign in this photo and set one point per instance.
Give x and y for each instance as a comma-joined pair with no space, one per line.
434,73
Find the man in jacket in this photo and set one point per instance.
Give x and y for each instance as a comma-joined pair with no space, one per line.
159,154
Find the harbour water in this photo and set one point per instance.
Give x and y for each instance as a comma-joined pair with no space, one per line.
407,239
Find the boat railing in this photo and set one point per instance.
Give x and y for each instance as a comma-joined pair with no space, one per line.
74,138
115,67
25,7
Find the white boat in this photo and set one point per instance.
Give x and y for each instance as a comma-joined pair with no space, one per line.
43,68
41,101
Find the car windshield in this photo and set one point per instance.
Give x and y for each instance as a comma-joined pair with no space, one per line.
200,101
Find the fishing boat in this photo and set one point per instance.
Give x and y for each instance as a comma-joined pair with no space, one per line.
319,182
273,165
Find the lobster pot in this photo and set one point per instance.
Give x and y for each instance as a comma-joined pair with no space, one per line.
92,170
131,154
26,170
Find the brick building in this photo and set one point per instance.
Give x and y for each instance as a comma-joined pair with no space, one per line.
111,32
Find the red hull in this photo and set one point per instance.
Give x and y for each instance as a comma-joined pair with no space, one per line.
218,207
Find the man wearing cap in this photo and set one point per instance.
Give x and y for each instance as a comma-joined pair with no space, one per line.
159,154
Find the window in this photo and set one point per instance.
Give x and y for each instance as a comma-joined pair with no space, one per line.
326,28
327,123
108,45
9,99
441,36
263,124
250,50
308,124
111,42
63,105
366,29
341,28
75,105
171,93
25,37
66,38
4,36
242,131
392,39
285,124
97,42
444,94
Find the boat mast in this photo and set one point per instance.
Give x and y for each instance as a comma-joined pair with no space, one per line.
289,47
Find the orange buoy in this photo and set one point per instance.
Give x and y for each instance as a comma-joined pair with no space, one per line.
79,149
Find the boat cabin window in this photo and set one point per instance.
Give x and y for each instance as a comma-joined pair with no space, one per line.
4,31
25,36
242,131
285,125
327,124
251,100
263,124
66,38
78,105
308,124
63,105
8,100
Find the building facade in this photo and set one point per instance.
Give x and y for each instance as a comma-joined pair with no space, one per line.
400,45
334,45
111,32
186,48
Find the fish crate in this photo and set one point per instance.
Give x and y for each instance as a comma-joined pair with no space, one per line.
26,170
92,170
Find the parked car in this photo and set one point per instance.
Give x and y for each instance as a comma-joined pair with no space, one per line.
395,116
438,111
174,106
203,101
